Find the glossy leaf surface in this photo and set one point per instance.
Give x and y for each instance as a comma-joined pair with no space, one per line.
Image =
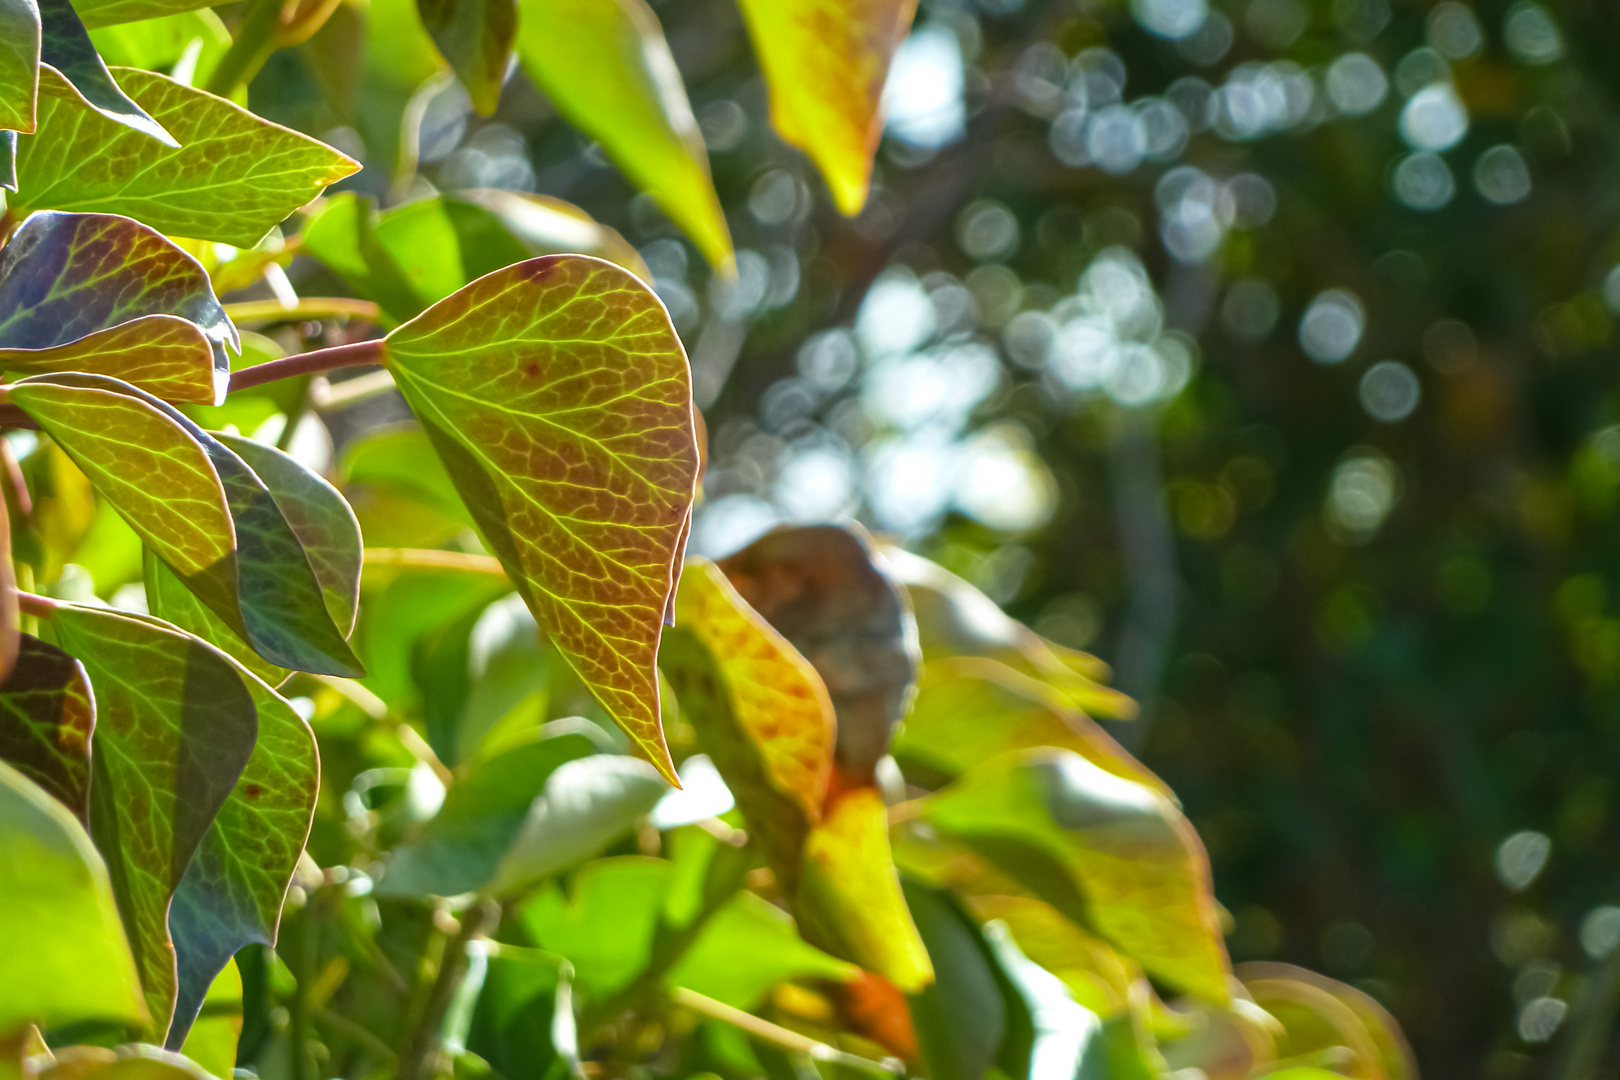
476,37
19,60
233,177
65,45
825,62
1107,852
607,68
66,956
105,294
559,398
175,725
46,720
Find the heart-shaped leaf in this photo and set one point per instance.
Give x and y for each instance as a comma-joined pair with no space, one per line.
234,177
66,956
19,62
231,894
476,37
559,399
1111,854
46,717
104,294
175,725
608,70
825,62
65,45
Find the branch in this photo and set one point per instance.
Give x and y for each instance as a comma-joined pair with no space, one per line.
433,559
308,307
777,1035
355,354
34,604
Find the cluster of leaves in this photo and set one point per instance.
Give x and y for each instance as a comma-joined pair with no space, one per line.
279,801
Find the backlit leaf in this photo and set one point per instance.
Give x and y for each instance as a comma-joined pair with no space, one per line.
213,1038
818,586
168,598
157,44
1110,854
825,62
19,59
1325,1017
607,926
234,177
759,708
608,70
1096,975
107,295
66,958
65,45
107,12
231,894
46,717
175,725
476,37
559,398
849,900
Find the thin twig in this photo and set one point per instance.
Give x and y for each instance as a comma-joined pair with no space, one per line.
355,354
308,307
433,559
777,1035
34,604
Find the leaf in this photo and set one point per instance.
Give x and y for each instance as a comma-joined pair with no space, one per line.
168,598
234,177
159,43
559,399
1067,1040
548,226
1319,1014
606,67
213,1038
818,586
10,609
342,234
46,718
19,61
1096,975
746,948
65,45
849,900
174,728
8,160
402,458
606,929
135,1061
969,710
1110,854
461,847
825,62
759,708
586,804
961,1018
103,294
476,37
108,12
66,957
231,894
396,616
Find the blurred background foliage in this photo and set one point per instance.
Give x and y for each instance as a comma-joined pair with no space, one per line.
1262,347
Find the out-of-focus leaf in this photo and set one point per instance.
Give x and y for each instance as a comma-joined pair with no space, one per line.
46,718
234,177
476,37
607,926
1067,1039
759,708
818,586
1109,853
10,610
968,710
607,68
342,234
549,226
1322,1016
586,804
175,725
213,1038
136,1061
19,60
104,294
402,458
8,160
65,45
962,1017
159,43
508,1024
955,619
232,892
747,947
460,848
559,398
825,62
108,12
1096,975
849,900
1231,1043
396,615
66,958
64,505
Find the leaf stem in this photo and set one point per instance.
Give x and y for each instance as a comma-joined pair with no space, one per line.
418,1059
775,1034
308,307
255,41
33,604
355,354
434,559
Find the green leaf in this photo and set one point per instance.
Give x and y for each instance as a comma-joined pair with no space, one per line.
131,1062
107,12
606,929
608,70
342,234
825,63
1067,1040
168,598
213,1038
849,900
1325,1020
66,957
232,892
174,728
819,587
46,717
234,177
396,616
402,459
746,948
19,61
586,804
65,45
1097,976
157,44
104,294
759,709
8,160
476,37
1110,854
962,1017
559,399
461,847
